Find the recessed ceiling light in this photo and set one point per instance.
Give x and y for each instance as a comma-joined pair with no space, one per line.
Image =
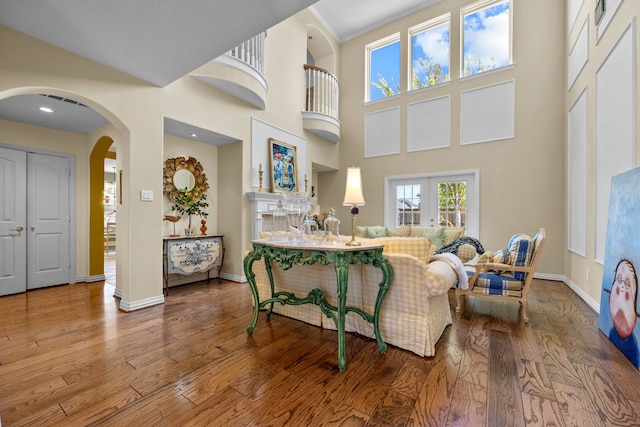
46,109
194,135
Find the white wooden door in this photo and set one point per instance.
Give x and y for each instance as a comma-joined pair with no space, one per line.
452,207
49,219
13,233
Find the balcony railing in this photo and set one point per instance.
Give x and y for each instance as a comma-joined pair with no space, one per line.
322,91
251,52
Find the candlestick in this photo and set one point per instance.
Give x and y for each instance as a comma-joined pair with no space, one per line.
306,183
260,178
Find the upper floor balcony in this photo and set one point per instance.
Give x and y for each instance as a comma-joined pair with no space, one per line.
320,115
239,72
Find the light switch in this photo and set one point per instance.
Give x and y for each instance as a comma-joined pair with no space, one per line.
146,195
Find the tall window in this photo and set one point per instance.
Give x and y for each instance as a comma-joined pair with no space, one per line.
486,36
429,53
383,68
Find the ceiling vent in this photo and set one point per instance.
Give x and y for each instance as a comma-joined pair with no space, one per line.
63,99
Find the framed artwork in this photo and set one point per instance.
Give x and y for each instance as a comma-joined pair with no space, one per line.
619,299
284,166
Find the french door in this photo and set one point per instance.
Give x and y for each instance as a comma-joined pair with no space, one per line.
34,220
442,200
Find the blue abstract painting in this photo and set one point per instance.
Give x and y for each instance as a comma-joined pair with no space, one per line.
619,300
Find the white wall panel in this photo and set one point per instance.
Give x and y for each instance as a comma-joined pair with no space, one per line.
577,173
429,124
615,131
487,113
382,132
578,56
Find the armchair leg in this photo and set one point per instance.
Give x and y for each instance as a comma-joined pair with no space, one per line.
524,311
458,301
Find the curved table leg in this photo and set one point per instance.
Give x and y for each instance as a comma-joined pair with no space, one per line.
387,274
342,278
248,262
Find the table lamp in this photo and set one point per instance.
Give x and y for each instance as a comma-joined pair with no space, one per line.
353,197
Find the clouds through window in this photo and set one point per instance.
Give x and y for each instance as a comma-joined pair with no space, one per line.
486,38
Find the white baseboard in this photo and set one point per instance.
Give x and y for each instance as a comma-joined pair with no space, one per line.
560,278
89,279
137,305
233,278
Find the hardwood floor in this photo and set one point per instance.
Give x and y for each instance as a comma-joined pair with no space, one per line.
69,357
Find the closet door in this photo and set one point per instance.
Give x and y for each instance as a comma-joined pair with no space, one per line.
13,233
49,220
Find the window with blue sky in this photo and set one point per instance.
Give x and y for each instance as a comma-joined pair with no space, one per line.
486,37
429,53
485,45
384,68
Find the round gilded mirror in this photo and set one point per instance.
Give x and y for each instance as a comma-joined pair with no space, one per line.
181,173
183,179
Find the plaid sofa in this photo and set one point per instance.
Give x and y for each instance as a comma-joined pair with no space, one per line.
415,311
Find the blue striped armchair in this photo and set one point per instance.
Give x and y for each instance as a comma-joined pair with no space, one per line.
510,276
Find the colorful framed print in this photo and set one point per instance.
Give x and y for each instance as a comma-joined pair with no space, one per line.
284,167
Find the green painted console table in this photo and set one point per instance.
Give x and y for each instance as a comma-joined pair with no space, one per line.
288,254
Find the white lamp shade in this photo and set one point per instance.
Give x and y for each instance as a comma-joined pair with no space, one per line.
353,190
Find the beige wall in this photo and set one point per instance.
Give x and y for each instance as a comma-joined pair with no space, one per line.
136,111
584,272
521,179
207,155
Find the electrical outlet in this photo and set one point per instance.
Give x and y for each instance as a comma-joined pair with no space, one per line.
146,195
588,275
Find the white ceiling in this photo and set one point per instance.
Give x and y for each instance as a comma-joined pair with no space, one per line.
347,19
159,41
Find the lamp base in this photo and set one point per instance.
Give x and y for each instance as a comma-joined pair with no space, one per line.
353,241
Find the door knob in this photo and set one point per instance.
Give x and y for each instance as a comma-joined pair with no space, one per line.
33,228
19,229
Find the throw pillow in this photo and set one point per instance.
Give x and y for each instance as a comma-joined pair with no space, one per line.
501,257
451,234
520,250
373,233
437,237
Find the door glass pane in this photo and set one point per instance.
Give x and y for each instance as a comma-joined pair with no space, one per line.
407,205
452,204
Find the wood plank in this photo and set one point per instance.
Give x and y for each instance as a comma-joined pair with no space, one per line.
504,405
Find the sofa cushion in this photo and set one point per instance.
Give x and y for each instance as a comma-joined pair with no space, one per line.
451,234
402,231
375,232
490,283
419,247
436,236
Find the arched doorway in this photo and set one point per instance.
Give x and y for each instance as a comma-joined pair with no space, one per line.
89,189
96,205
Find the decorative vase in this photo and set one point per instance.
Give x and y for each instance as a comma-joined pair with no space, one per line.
332,227
189,232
